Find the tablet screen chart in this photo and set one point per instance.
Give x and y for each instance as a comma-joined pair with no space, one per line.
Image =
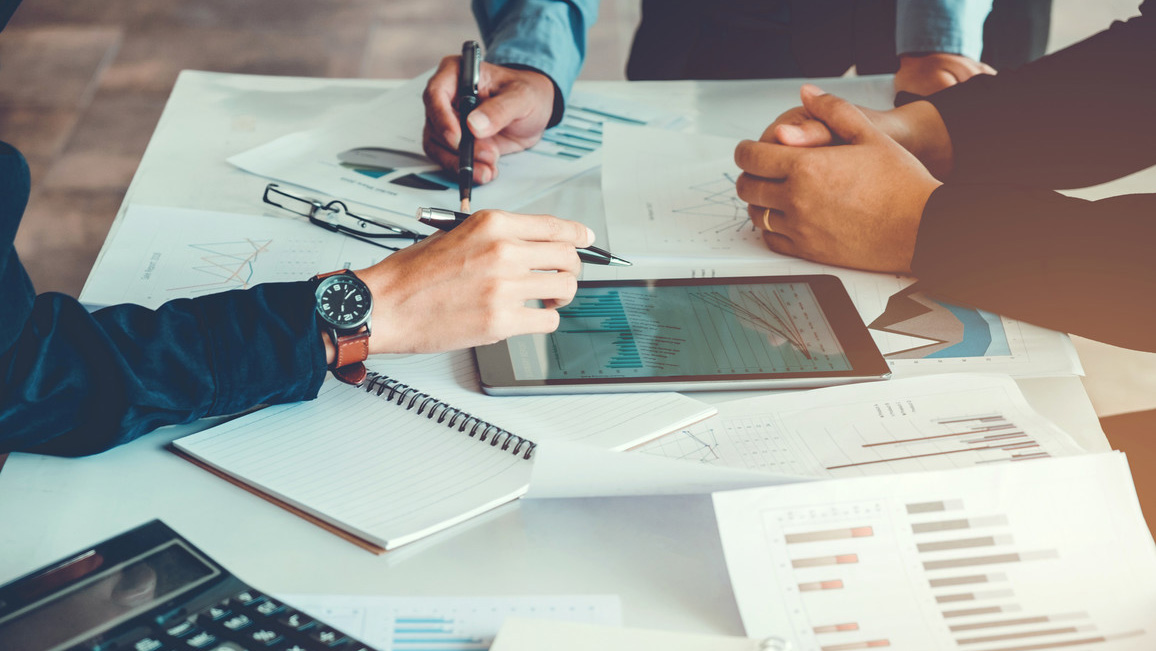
667,330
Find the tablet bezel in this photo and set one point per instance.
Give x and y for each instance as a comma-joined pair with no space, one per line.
867,363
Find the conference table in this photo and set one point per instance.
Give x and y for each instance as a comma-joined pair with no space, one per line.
661,555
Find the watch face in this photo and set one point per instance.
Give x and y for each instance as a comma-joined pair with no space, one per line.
344,301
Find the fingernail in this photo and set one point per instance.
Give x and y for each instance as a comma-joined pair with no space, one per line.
487,175
812,89
479,124
790,132
589,236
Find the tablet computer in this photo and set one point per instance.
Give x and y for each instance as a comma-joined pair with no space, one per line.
772,332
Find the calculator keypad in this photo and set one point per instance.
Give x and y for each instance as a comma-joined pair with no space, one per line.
249,621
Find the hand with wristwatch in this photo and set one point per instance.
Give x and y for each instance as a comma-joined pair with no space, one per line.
467,287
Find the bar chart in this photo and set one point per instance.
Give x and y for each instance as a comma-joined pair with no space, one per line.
446,623
693,330
998,558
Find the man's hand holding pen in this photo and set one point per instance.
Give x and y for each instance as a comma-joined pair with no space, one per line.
513,110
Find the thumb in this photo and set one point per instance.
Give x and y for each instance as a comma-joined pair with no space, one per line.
843,118
497,112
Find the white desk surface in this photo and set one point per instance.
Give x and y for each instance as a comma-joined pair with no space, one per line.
662,555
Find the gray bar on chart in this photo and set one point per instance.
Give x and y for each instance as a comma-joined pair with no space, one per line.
968,612
994,559
966,543
943,525
831,534
933,507
1022,621
948,581
949,598
1003,637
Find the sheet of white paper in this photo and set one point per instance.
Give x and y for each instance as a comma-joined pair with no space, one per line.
159,254
447,623
672,195
1043,555
354,158
520,634
941,338
938,422
563,470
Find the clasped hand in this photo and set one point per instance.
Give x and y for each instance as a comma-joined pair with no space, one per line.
825,183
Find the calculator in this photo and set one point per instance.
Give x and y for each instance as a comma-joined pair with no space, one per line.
149,589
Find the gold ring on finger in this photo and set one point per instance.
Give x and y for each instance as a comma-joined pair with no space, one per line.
767,220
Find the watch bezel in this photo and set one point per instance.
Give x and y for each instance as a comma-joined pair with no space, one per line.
324,284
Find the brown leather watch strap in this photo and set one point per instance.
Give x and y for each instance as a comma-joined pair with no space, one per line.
352,350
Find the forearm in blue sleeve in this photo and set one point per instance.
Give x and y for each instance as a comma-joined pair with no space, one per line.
1078,117
952,26
1084,267
77,383
546,35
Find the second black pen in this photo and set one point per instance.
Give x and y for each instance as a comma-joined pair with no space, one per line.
447,220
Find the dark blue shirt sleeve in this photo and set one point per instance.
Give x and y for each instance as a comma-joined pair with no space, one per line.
74,383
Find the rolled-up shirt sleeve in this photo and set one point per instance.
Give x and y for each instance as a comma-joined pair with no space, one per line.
546,35
952,26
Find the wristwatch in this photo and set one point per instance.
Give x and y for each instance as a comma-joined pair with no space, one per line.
345,305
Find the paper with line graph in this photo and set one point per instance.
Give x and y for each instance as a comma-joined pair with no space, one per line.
159,254
936,422
672,195
1003,557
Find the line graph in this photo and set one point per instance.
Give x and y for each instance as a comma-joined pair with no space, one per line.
718,205
764,313
230,265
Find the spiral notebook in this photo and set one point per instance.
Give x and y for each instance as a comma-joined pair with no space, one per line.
392,461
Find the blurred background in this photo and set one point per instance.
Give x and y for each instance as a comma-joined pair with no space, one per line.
83,83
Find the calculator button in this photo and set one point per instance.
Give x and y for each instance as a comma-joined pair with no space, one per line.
201,640
182,629
295,620
265,637
216,613
229,646
328,637
144,644
249,598
237,622
269,608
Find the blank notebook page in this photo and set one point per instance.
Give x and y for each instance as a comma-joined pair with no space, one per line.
363,464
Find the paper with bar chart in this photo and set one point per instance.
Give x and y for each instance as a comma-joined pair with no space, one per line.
672,195
1008,557
683,330
937,422
447,623
159,254
373,154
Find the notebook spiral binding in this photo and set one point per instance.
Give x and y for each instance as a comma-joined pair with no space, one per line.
409,397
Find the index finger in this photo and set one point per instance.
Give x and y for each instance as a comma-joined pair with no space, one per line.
536,228
439,97
767,160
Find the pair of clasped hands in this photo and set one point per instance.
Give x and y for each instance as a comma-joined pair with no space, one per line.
827,181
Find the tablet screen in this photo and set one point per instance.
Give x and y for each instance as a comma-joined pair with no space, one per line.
683,330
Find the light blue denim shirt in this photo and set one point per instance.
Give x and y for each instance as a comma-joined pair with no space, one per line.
550,35
954,26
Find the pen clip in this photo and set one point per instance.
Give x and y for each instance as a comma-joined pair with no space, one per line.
471,68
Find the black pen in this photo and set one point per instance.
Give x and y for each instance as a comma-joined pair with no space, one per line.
447,220
469,71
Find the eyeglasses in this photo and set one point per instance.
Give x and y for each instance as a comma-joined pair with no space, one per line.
335,216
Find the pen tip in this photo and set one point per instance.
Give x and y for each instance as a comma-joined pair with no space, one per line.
465,205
